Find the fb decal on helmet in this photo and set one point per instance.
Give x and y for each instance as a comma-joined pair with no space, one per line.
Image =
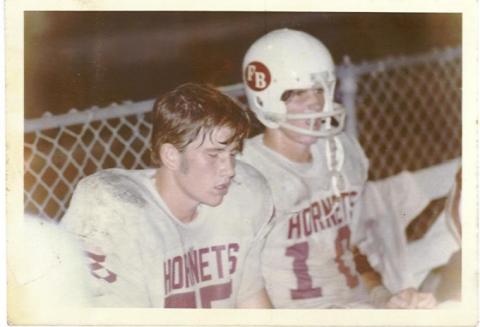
257,76
285,60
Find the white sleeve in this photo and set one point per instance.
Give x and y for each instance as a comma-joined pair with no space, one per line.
49,270
444,234
104,223
388,206
433,250
436,181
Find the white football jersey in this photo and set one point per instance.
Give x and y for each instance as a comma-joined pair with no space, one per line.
142,256
389,205
307,261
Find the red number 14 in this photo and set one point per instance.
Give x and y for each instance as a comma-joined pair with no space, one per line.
300,252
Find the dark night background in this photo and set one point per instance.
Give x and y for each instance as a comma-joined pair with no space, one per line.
81,59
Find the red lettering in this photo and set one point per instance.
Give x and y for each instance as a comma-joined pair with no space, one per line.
188,275
167,270
177,271
307,228
305,289
203,265
232,247
193,265
327,220
211,293
326,213
294,224
335,220
208,294
327,205
182,300
218,251
316,216
344,206
192,268
300,253
98,270
342,247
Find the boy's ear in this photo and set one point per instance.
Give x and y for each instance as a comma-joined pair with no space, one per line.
170,156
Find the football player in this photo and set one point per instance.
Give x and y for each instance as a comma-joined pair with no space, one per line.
317,174
188,233
47,273
448,276
449,288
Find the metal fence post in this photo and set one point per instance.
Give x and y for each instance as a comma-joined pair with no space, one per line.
348,92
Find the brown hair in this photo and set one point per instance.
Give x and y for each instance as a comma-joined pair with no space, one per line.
180,115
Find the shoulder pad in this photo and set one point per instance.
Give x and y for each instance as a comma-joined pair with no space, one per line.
115,184
250,177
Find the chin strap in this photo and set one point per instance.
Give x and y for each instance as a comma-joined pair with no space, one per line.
335,159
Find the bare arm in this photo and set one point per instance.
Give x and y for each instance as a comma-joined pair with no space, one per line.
405,299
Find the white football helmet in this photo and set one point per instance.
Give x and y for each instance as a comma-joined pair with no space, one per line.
284,60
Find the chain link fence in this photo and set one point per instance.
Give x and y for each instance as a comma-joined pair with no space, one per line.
406,112
408,117
409,111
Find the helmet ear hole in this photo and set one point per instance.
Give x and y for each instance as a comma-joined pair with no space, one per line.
334,122
258,101
286,95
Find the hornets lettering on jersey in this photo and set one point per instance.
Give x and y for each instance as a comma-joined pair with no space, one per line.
321,214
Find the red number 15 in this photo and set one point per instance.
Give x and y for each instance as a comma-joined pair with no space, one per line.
208,294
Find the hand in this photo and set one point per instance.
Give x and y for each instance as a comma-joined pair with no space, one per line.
411,299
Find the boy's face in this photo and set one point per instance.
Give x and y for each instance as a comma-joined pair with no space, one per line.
207,167
301,102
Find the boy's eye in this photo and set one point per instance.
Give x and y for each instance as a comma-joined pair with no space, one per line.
289,94
213,154
319,91
298,92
